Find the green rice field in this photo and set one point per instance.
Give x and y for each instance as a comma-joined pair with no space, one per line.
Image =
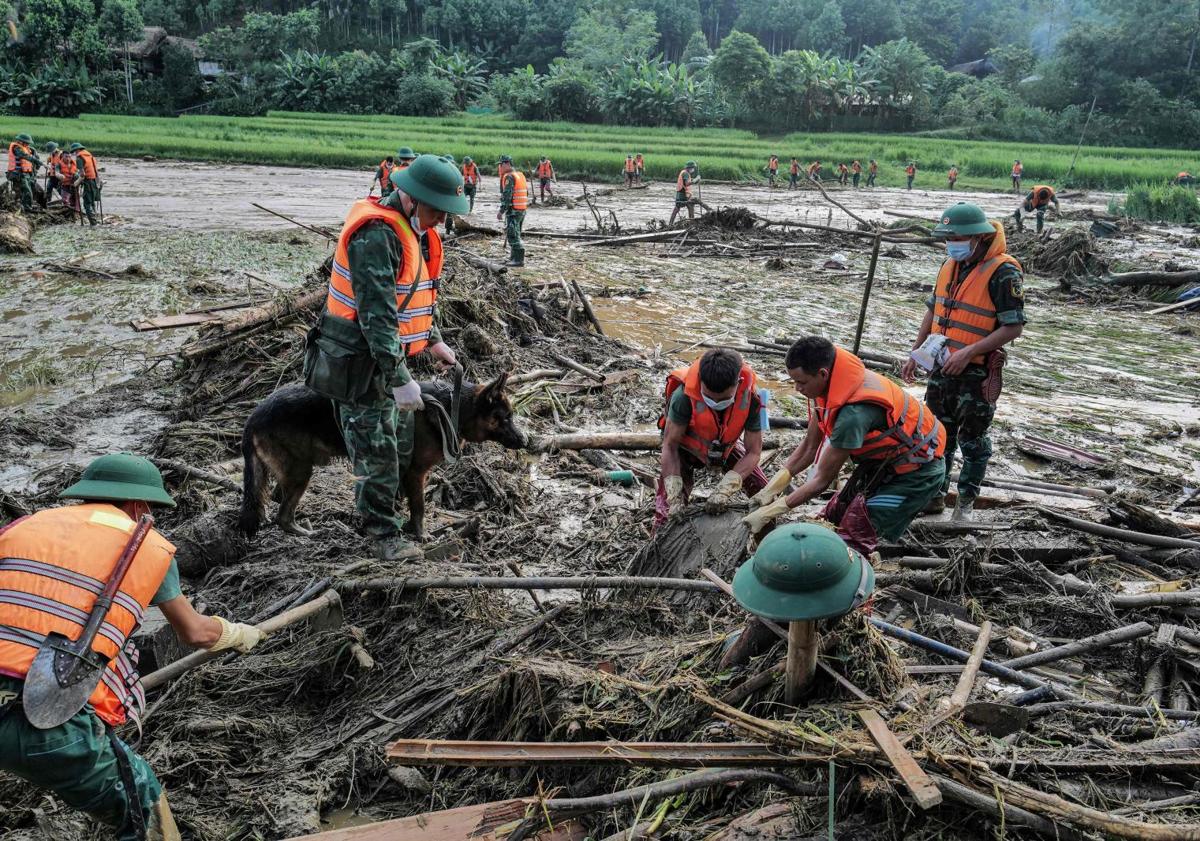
593,152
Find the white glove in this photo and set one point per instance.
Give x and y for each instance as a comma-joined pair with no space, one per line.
444,355
674,488
237,636
719,500
774,488
761,518
408,397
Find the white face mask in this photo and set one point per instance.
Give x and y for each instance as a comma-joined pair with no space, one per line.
717,405
959,250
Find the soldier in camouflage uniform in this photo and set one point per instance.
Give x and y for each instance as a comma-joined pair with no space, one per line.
514,199
380,310
978,306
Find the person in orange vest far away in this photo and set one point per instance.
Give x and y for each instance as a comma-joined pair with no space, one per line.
1183,179
514,200
23,164
1017,171
53,566
1036,201
545,174
977,308
910,172
383,176
383,292
872,172
712,417
814,171
952,176
687,177
404,157
772,170
794,174
630,170
843,173
856,172
471,179
639,167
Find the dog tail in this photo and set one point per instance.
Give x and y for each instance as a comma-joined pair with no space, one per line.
254,481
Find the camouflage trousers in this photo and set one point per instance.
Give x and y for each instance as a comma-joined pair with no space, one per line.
379,442
22,185
514,220
960,405
91,195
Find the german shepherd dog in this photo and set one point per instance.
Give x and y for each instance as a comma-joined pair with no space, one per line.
296,429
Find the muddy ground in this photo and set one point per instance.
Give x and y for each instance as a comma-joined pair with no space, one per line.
1092,371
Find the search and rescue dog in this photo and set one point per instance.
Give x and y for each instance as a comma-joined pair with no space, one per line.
295,430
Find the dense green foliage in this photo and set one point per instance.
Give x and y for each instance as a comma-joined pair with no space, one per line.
587,151
1159,203
774,65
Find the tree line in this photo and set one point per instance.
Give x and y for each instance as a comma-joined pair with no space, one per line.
1127,68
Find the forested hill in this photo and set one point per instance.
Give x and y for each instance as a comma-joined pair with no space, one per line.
1030,70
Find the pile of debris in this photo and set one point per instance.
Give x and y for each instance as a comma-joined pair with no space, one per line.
1068,253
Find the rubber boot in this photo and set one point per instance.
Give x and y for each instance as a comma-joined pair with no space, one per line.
964,511
936,505
396,548
162,823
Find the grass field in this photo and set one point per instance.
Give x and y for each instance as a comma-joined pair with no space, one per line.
591,151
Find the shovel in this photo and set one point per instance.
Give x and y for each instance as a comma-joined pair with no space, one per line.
64,673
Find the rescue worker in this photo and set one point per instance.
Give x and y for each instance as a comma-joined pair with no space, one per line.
470,174
23,164
772,170
514,200
814,171
1017,171
978,306
856,172
683,191
383,291
952,175
54,157
843,173
88,178
383,176
872,171
639,167
404,157
794,174
66,170
910,172
712,417
53,565
1036,201
545,174
630,170
1183,179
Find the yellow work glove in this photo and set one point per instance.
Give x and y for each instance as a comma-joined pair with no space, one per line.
674,487
759,519
718,500
237,636
774,488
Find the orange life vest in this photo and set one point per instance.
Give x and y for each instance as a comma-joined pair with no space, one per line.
401,165
53,565
520,190
913,436
66,169
53,162
639,161
545,170
1039,196
910,170
1017,170
952,174
963,310
842,168
814,168
15,163
385,174
683,183
773,164
470,173
417,274
1183,175
873,168
629,165
856,167
708,437
88,164
795,168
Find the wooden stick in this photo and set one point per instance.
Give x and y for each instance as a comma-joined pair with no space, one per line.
1124,535
918,783
1011,815
866,297
1102,708
575,366
1092,643
328,600
803,640
319,231
197,473
599,582
966,681
472,259
587,307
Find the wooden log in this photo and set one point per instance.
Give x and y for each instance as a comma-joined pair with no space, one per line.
587,307
599,582
966,681
866,296
1010,815
319,231
924,791
535,375
1156,278
275,310
479,822
197,473
575,366
480,754
472,259
1178,305
1159,805
803,642
1092,643
326,602
1124,535
1102,708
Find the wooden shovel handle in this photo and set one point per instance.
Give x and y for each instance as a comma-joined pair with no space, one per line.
104,601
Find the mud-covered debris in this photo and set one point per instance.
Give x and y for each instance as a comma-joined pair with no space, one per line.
15,234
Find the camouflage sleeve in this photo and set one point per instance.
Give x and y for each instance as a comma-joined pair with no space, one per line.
376,257
506,191
1007,290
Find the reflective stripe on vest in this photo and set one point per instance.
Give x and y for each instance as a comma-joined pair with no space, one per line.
707,435
913,437
15,163
520,190
53,564
414,321
963,310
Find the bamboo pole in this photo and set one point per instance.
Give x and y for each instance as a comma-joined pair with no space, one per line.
1092,643
866,297
1124,535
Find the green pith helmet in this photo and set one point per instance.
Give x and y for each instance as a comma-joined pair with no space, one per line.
690,165
433,181
963,220
803,571
467,159
504,159
51,146
24,138
406,153
120,477
75,147
448,157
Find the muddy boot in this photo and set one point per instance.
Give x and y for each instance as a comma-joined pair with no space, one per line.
515,263
1020,224
937,505
396,548
964,511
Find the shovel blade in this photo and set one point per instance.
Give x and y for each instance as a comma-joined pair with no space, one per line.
59,682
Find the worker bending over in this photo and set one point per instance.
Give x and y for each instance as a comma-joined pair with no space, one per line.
1036,201
683,191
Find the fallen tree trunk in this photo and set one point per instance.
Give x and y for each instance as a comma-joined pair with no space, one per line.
473,259
1138,279
273,311
1124,535
1093,643
16,234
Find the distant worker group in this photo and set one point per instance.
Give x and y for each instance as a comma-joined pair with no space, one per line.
72,174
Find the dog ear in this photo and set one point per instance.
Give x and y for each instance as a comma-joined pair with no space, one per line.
494,390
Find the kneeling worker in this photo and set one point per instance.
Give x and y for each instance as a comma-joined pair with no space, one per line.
382,293
712,406
53,565
894,439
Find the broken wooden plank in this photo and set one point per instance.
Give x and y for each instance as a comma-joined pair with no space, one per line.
641,754
918,783
482,822
966,681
